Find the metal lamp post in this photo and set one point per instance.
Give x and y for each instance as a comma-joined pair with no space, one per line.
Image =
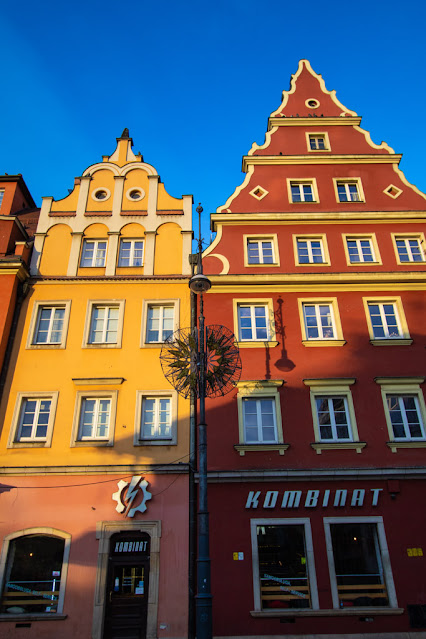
200,284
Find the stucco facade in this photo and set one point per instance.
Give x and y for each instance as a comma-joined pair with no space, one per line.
317,459
94,444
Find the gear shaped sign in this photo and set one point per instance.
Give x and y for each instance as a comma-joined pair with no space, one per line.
124,502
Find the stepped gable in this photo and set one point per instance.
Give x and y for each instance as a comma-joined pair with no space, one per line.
309,108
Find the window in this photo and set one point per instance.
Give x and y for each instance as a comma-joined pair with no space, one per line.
93,253
302,191
283,565
259,250
32,422
254,322
131,253
348,190
49,324
260,422
311,250
35,571
160,321
317,141
94,418
1,196
405,411
104,324
359,564
259,415
409,248
333,414
361,249
386,321
320,322
156,419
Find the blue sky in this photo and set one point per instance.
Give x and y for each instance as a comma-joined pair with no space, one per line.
195,82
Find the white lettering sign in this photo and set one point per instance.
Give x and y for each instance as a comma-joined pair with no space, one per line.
340,497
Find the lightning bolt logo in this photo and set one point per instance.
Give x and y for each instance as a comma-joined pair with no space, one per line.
136,484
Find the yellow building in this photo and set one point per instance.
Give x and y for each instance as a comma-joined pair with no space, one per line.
94,440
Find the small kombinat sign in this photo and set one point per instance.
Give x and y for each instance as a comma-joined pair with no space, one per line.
130,546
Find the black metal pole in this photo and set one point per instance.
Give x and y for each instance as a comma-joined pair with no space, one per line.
203,598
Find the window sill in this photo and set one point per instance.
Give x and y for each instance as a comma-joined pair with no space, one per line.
155,442
369,611
394,445
308,264
92,442
272,265
257,344
37,347
400,341
35,617
102,345
320,446
43,444
324,342
243,448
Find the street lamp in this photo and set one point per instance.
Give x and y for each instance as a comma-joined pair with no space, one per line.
200,284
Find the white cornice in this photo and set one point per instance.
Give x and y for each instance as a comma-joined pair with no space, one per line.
335,121
248,160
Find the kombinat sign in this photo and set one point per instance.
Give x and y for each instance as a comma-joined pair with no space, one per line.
339,497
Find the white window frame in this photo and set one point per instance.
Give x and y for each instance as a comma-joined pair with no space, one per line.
406,238
404,387
76,438
301,182
141,395
14,440
321,340
310,560
384,556
331,388
346,181
132,252
1,196
147,304
358,238
48,532
257,390
35,315
270,323
403,338
259,239
95,258
322,239
91,305
314,136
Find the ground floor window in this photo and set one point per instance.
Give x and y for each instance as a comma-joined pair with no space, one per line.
34,577
359,564
284,575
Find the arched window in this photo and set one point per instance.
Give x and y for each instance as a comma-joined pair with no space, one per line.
35,572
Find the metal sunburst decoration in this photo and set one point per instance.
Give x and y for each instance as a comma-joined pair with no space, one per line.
180,356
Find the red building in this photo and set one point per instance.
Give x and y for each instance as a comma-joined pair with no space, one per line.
316,461
18,222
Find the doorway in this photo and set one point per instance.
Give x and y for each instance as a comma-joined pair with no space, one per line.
127,586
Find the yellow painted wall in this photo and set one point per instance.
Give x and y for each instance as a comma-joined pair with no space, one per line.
104,178
68,203
135,178
56,250
166,202
54,370
168,249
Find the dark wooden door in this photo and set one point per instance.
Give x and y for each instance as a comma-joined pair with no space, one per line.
126,605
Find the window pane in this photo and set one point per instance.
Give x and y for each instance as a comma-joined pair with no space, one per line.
34,572
283,572
358,565
253,253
